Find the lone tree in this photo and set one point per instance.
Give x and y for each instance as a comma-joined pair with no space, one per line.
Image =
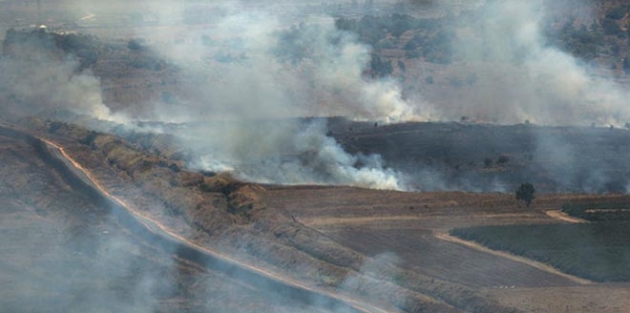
526,192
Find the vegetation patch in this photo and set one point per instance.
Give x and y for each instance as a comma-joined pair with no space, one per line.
599,211
595,251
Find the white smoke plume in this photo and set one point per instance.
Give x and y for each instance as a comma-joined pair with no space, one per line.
46,85
521,76
248,63
252,65
292,154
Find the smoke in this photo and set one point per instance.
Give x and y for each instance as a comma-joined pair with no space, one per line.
248,63
523,76
43,86
287,69
65,251
520,75
248,73
253,68
291,154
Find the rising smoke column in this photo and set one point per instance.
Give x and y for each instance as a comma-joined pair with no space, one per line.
244,84
39,77
523,77
293,154
236,76
39,86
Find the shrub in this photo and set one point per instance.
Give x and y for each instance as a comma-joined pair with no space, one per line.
525,192
487,162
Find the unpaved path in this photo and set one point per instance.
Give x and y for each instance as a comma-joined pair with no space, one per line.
362,220
538,265
561,216
159,229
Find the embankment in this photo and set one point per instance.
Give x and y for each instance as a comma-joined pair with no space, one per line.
158,236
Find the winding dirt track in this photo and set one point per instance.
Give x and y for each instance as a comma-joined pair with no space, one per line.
158,234
191,250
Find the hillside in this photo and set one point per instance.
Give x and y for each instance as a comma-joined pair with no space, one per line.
318,157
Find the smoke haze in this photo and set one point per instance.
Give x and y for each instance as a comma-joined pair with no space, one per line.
520,75
41,85
257,83
248,68
253,65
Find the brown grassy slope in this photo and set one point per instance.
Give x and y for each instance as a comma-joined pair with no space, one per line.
234,218
63,252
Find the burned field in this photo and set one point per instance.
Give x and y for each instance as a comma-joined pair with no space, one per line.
495,158
598,211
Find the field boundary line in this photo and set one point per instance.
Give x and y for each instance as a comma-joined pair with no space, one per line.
561,216
319,221
541,266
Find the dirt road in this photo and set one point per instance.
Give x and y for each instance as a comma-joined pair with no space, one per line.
160,235
193,251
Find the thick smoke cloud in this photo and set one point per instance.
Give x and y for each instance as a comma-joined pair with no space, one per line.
521,76
237,69
313,69
252,65
41,84
292,154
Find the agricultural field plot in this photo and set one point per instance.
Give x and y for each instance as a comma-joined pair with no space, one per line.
421,251
595,251
324,207
599,211
416,222
614,298
405,224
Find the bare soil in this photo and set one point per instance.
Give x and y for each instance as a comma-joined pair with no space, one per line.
574,299
561,216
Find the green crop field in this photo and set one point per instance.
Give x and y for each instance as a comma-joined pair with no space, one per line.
595,251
